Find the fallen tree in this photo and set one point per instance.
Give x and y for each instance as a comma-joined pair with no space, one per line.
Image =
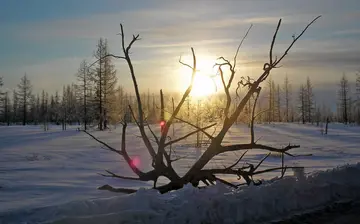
161,157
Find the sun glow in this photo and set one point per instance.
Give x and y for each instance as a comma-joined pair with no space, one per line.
203,86
205,81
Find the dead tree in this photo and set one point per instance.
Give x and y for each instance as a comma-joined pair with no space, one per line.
162,159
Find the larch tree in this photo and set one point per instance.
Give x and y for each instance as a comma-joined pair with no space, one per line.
37,109
83,78
109,90
64,109
344,99
1,91
24,96
7,109
271,100
357,112
98,80
52,109
278,103
4,104
15,106
302,103
32,112
287,97
309,99
57,108
44,109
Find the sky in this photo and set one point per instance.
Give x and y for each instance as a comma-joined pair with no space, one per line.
48,39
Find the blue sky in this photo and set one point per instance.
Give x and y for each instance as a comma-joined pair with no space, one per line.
48,39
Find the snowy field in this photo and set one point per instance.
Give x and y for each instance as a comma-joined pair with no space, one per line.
52,177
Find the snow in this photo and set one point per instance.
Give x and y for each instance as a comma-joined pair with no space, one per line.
51,177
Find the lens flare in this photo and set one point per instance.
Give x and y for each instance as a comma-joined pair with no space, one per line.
135,162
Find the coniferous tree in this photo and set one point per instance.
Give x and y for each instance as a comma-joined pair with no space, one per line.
57,108
98,79
6,109
105,80
357,112
278,103
344,99
83,78
33,115
1,93
15,107
271,100
287,98
309,100
302,103
2,100
64,109
24,96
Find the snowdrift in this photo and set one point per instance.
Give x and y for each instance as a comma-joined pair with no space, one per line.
274,199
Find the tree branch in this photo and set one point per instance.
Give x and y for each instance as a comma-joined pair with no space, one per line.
108,147
189,134
118,176
118,190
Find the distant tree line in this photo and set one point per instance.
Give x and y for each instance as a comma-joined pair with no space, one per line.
97,99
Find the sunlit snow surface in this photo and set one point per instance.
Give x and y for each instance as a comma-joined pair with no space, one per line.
52,176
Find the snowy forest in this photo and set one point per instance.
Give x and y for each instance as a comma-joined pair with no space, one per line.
96,98
257,148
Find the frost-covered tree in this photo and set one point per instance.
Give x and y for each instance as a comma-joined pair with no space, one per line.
24,95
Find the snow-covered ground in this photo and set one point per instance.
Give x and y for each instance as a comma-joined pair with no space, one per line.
52,176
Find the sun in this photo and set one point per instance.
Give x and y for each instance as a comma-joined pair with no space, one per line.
203,86
205,81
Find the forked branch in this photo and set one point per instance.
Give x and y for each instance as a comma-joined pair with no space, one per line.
197,173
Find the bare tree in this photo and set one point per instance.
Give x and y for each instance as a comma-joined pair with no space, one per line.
309,100
278,103
83,78
344,99
287,97
162,158
105,80
271,98
357,115
1,92
15,106
5,107
24,96
302,101
64,109
3,98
